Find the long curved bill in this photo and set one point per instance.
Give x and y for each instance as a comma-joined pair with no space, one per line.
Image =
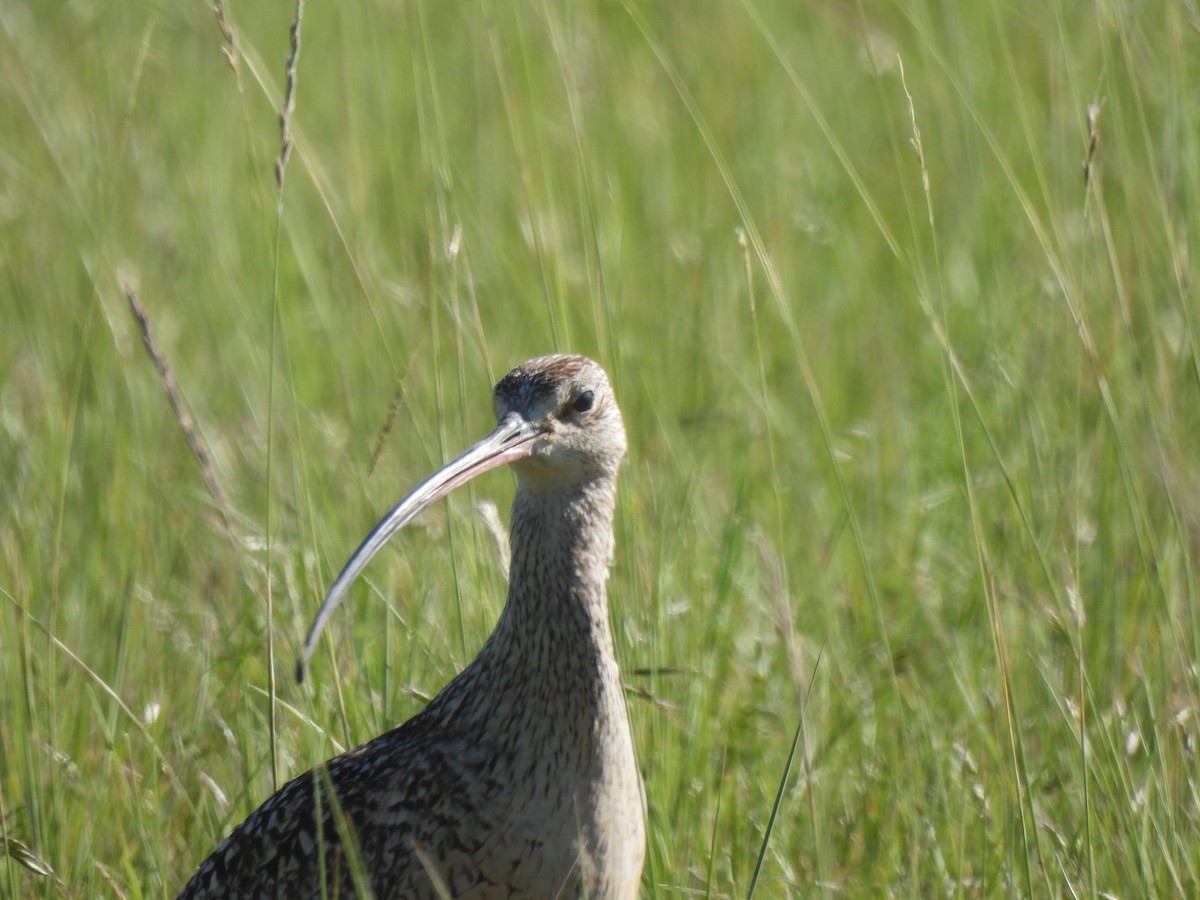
512,440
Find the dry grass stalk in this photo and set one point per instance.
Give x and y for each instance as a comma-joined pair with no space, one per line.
229,51
289,99
389,423
182,416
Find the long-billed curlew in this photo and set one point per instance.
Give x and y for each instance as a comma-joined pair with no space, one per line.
519,778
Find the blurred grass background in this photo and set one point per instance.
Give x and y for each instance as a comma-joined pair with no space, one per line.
898,299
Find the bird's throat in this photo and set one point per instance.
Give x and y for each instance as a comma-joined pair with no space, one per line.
557,606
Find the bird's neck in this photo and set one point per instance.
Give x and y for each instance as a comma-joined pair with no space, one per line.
562,542
549,664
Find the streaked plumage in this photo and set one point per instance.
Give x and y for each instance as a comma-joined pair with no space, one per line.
519,778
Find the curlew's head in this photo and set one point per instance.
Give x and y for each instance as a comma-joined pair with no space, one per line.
557,423
563,410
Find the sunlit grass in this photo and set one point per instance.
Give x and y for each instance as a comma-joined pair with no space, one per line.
899,305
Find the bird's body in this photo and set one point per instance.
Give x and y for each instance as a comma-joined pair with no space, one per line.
519,778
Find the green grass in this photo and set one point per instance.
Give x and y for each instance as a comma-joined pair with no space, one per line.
914,418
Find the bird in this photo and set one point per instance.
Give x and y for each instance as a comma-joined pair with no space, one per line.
519,779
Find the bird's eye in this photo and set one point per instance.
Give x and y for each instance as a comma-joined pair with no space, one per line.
584,402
